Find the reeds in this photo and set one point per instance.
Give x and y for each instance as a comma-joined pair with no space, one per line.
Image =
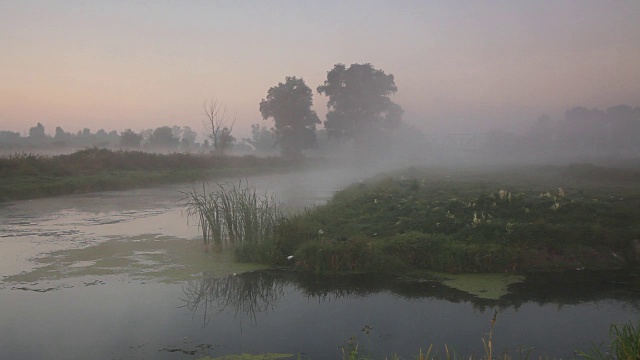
625,344
234,214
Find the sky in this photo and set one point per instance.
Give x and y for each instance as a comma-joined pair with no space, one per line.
460,66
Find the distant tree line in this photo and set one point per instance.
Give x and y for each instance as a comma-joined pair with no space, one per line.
360,111
581,132
164,137
361,115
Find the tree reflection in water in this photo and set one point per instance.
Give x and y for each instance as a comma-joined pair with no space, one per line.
255,292
248,293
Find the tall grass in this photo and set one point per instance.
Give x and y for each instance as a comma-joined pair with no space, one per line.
625,344
234,214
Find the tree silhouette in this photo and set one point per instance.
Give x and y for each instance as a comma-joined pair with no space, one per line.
289,104
218,126
624,124
359,104
36,134
163,137
129,139
262,138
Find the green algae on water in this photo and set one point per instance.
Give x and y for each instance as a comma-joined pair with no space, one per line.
149,257
483,286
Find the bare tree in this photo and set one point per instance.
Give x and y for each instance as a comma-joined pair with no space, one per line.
218,126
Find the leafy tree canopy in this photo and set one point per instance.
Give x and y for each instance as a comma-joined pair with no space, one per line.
130,139
37,132
359,102
289,104
163,137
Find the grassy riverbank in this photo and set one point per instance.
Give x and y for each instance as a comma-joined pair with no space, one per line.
518,219
27,176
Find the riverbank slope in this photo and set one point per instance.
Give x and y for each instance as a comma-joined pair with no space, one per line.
29,176
515,219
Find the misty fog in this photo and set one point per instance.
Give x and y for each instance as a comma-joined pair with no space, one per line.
432,164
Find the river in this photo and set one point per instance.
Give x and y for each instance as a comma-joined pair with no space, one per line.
121,275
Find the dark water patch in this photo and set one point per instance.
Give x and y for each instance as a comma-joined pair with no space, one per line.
403,315
95,282
186,352
287,312
575,287
42,290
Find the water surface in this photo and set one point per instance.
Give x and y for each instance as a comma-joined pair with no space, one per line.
121,275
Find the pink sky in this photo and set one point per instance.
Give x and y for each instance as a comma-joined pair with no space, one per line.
460,66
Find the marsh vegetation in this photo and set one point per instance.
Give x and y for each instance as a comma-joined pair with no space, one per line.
28,176
504,219
233,215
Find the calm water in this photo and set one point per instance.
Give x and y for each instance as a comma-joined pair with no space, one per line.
72,287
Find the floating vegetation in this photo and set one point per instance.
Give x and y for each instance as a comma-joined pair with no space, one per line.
483,286
143,257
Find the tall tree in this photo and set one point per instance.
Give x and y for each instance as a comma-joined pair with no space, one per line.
582,129
61,135
37,132
262,138
163,137
624,122
188,140
218,126
129,139
359,104
289,104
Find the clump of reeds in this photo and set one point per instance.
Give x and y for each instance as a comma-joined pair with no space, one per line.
233,214
625,344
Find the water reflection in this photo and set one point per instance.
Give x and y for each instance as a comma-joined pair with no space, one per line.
248,293
573,288
257,292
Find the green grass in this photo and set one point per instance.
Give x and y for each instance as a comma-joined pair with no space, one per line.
28,176
468,221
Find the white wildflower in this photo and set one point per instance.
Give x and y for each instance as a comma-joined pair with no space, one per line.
509,227
475,220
